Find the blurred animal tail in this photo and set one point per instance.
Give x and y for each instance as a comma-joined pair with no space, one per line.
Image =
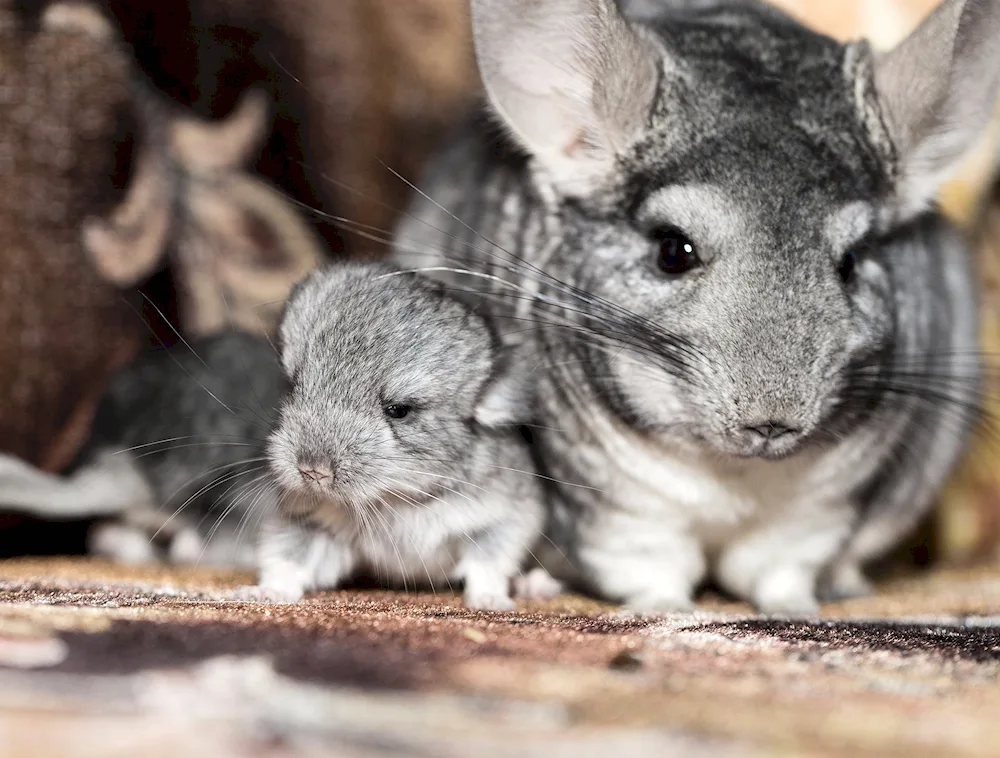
109,486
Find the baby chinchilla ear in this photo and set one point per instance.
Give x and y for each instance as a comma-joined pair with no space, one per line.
508,398
938,89
571,79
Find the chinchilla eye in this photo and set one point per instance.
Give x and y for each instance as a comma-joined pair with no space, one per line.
677,254
847,265
397,410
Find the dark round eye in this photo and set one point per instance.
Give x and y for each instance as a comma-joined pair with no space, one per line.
677,254
397,411
847,266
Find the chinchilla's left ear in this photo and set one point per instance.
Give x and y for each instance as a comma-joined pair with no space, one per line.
938,90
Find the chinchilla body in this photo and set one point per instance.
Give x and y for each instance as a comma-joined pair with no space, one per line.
190,423
756,337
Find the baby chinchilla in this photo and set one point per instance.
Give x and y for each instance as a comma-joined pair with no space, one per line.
396,448
760,334
177,450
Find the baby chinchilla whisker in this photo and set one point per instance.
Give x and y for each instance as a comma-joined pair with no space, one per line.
265,484
237,483
208,487
236,502
391,485
431,496
388,531
174,329
446,477
205,489
546,478
233,478
423,563
165,441
427,572
395,546
190,445
208,473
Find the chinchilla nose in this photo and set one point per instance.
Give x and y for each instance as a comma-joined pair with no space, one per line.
770,430
314,473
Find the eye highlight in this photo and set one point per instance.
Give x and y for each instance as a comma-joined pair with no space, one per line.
847,266
677,254
397,411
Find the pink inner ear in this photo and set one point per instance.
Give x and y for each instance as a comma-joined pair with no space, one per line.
937,89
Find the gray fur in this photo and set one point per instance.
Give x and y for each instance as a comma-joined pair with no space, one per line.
177,450
776,150
445,494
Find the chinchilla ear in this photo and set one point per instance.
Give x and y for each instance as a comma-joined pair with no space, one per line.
572,80
508,398
938,90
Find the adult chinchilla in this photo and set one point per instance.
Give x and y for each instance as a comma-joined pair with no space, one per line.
760,336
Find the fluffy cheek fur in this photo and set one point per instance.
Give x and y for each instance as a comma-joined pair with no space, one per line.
366,462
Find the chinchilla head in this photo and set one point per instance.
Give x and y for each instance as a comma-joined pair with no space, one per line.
394,386
733,179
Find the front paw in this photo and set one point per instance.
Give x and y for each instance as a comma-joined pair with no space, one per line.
122,543
479,601
788,592
537,584
267,595
186,548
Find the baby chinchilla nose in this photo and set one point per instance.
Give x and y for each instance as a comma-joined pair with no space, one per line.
313,472
770,430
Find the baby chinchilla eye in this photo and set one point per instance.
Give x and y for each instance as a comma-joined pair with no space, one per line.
677,254
397,410
847,265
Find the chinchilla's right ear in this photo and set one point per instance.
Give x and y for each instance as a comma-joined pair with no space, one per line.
938,89
509,396
571,78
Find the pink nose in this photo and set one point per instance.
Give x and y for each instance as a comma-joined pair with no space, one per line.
315,473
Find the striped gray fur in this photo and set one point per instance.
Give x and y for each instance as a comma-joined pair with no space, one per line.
828,299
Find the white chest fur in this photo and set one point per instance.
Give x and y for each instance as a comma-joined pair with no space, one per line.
408,542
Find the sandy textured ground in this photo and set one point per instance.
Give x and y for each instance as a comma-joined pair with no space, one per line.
102,661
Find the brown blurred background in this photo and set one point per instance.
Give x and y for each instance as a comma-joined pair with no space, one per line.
351,88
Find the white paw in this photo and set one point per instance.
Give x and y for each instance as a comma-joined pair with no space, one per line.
121,543
537,584
267,595
488,602
788,591
186,547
